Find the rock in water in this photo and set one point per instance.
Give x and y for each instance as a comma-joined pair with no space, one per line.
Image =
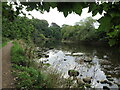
46,56
103,81
80,82
65,59
67,53
73,73
105,57
87,79
77,54
104,62
108,76
109,83
88,59
110,79
106,88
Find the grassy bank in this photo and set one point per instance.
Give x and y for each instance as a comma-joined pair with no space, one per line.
28,73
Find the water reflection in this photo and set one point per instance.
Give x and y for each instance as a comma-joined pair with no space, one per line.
105,61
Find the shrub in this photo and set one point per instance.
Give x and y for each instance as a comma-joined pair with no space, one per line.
30,78
18,55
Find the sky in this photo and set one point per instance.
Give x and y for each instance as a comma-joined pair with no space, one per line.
57,17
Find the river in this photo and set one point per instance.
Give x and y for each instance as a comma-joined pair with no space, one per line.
105,61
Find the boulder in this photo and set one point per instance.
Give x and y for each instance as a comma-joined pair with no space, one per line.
88,59
108,76
46,56
73,73
74,85
98,81
87,79
106,88
105,57
110,79
77,54
51,48
104,62
103,81
109,83
39,55
80,82
117,83
67,54
65,59
88,85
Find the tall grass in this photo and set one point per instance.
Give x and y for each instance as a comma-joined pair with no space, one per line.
30,76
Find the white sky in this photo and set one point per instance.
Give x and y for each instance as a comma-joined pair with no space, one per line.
58,17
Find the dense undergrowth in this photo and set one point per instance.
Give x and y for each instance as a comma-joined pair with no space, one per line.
28,75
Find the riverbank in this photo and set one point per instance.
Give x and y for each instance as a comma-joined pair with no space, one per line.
29,73
103,43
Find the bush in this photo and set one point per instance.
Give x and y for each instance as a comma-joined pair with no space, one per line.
30,77
26,77
18,55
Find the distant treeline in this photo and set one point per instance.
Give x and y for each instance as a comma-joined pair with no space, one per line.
36,30
83,31
30,29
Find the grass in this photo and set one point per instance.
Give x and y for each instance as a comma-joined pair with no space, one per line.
18,55
4,42
30,76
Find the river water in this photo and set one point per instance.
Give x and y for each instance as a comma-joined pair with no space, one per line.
105,61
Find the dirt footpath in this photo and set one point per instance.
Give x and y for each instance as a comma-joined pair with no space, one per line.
7,78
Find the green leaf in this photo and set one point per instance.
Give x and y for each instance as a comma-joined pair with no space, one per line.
105,23
114,13
113,34
94,12
112,42
53,4
77,8
65,13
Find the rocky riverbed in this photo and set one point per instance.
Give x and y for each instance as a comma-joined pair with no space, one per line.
84,68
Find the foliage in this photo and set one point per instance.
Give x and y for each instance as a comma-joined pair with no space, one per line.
30,29
32,76
56,31
19,28
82,31
18,55
107,23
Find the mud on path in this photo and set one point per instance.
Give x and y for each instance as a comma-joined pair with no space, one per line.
7,78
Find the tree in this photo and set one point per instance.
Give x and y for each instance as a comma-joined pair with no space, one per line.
109,22
83,30
56,31
17,29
